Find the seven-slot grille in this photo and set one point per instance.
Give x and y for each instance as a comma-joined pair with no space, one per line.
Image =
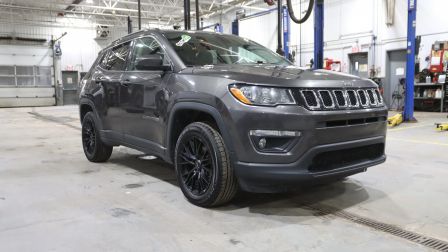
337,99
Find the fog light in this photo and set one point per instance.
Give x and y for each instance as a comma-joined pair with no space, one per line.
262,143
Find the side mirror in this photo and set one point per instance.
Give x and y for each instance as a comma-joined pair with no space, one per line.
151,62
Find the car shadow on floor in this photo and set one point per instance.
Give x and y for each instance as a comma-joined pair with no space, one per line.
338,195
156,168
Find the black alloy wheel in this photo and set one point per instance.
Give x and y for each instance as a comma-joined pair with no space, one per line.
203,166
195,165
94,149
88,137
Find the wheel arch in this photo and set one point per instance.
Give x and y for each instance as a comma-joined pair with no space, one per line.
203,111
85,106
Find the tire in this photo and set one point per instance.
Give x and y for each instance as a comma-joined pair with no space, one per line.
94,149
203,168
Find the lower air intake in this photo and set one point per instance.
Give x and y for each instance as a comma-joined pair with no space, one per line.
327,161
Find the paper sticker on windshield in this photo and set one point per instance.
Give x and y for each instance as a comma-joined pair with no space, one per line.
184,39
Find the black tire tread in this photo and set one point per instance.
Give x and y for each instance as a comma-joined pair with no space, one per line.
228,186
102,151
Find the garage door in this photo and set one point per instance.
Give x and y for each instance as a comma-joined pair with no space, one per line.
26,76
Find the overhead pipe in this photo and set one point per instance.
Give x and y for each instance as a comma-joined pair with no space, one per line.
187,24
72,12
129,25
279,27
139,7
196,2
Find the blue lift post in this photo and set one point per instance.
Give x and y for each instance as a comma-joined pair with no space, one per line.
410,62
318,34
286,29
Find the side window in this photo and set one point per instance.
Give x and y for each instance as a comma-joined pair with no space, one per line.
103,62
144,47
115,59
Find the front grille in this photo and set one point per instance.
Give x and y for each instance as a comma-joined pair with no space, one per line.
378,96
327,99
371,95
330,160
352,98
338,99
350,122
310,98
362,97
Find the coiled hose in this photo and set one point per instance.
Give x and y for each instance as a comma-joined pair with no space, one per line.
307,14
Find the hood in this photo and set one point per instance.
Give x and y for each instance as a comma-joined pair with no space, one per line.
286,76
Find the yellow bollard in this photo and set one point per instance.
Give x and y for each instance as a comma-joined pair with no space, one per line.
395,120
442,126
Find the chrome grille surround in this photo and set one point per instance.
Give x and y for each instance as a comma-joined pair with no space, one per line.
323,102
378,96
344,97
349,100
341,99
312,107
371,97
363,94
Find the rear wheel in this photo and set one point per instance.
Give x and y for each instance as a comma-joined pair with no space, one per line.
203,166
94,149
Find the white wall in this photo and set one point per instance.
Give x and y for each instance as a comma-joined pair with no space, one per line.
267,36
79,47
352,24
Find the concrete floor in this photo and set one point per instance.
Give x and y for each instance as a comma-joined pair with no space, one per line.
52,198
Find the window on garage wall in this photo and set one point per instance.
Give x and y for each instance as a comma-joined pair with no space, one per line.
7,76
26,76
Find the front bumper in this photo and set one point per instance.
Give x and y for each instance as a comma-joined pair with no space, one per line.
322,137
261,177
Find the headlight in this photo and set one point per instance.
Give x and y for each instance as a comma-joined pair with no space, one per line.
259,95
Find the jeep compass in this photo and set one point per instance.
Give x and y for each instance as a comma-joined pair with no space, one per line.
229,114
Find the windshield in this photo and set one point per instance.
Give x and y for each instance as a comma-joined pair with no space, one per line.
198,49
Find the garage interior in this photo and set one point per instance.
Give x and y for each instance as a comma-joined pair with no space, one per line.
52,198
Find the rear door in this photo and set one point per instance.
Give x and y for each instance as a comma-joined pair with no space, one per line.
108,75
144,99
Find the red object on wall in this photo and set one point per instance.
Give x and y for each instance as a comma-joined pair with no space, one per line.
439,55
332,65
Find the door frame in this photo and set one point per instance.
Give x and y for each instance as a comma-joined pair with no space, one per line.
387,85
350,55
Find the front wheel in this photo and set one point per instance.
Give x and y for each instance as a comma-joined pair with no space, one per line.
203,166
94,149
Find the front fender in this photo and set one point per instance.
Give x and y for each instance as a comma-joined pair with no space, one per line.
202,108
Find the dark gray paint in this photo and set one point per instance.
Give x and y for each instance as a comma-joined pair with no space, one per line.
138,109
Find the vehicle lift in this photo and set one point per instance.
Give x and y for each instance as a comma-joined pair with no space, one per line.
408,114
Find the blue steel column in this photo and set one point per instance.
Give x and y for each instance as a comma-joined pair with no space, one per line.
318,34
286,29
410,63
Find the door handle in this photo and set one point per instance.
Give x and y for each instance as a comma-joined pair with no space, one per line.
125,83
100,79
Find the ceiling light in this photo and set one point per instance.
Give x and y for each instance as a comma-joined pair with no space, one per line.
89,1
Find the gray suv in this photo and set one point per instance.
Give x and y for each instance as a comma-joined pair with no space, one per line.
229,114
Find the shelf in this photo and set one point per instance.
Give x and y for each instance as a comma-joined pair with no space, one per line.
427,98
427,84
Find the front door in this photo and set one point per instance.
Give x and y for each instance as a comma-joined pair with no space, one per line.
144,96
108,74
